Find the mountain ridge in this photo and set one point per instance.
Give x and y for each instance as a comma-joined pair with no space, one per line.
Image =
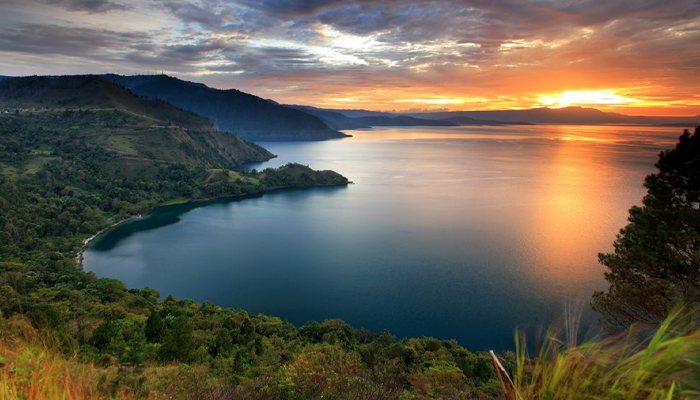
362,119
538,115
545,115
251,117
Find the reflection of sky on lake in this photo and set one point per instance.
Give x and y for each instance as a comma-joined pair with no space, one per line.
450,232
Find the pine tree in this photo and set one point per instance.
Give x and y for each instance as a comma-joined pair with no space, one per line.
179,342
656,263
155,327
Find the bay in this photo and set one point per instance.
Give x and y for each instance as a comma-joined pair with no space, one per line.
461,232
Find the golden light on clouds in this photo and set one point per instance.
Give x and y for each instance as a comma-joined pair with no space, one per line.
626,101
342,100
625,56
604,97
431,101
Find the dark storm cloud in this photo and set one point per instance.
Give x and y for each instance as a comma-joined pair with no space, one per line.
219,15
91,6
180,56
206,16
69,41
292,8
117,48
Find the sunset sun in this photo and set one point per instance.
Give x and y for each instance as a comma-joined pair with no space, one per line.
588,98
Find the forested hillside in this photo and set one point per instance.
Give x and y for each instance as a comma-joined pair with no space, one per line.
252,117
41,111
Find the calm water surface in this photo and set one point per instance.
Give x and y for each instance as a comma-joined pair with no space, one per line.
459,233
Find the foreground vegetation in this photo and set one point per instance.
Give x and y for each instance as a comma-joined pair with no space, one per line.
663,364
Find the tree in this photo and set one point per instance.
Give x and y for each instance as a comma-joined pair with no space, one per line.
155,327
45,316
105,335
656,263
178,343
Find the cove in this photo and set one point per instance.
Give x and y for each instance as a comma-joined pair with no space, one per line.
463,233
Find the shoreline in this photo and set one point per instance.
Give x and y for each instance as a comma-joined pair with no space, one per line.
80,257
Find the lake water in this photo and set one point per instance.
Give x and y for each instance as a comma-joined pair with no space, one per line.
463,233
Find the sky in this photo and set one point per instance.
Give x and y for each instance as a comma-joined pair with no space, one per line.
635,57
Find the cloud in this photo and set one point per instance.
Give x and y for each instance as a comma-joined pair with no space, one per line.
287,9
40,39
90,6
475,49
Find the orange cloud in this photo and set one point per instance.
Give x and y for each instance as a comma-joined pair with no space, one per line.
623,55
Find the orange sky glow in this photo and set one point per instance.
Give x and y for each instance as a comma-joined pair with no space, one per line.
624,56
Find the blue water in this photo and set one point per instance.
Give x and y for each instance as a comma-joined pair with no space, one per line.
463,233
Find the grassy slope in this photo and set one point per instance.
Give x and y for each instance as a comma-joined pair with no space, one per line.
654,365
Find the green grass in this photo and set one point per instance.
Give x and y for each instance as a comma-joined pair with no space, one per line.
233,176
175,202
30,166
659,365
122,144
34,164
8,172
40,152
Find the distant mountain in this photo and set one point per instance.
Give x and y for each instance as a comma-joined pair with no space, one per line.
334,119
97,111
3,77
474,121
689,122
402,121
346,112
364,113
340,119
251,117
568,115
355,119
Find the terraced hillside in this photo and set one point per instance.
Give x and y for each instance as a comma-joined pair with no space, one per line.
40,114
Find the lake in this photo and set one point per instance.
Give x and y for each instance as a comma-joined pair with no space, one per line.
462,232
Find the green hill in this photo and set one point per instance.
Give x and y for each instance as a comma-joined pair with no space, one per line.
252,117
99,112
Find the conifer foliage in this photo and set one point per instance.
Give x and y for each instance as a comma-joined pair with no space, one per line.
656,262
